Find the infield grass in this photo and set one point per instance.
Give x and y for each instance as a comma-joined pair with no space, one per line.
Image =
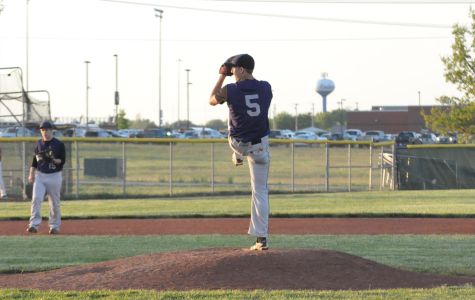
442,293
442,254
441,203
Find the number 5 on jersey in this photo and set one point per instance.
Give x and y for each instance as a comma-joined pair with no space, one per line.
254,108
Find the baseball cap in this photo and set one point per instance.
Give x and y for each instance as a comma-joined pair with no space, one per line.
46,125
242,60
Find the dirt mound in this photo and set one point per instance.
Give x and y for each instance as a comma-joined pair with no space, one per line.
232,269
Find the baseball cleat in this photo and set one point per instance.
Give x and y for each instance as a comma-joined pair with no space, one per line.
32,230
261,244
237,160
54,231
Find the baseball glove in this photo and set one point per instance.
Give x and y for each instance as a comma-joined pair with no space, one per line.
225,69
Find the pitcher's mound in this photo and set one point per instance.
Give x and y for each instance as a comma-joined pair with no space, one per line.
232,269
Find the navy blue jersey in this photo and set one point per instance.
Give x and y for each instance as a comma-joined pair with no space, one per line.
45,151
248,102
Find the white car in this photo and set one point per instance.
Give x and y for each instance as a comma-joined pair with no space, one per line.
16,132
372,135
352,134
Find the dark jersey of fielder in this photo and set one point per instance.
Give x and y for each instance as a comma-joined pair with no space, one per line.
248,102
44,164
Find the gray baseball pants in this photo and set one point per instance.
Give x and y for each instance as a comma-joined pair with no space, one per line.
46,184
3,191
258,158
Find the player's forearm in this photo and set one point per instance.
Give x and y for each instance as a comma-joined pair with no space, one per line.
219,84
32,174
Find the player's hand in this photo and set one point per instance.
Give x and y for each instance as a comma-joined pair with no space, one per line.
225,69
31,179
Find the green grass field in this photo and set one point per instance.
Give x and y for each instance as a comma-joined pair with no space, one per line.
440,203
442,254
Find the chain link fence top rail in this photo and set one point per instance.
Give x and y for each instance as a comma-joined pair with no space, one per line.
150,167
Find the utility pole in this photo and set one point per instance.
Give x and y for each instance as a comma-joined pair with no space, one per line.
158,14
178,89
188,98
296,118
313,114
87,93
116,94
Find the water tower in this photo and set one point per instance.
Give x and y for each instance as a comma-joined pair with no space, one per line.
324,88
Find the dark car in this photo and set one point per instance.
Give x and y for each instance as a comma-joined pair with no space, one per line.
407,138
276,134
155,133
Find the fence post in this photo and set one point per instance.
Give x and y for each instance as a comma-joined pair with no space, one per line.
23,158
212,167
76,146
349,167
292,169
370,187
124,170
393,168
171,170
381,169
327,167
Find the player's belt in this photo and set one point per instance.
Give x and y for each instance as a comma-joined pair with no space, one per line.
253,141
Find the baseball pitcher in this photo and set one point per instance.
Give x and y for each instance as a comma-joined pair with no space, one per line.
248,101
45,174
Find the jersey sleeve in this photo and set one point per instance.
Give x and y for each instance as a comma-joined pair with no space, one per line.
222,95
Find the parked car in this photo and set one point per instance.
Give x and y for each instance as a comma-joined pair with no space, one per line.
450,138
306,135
188,134
97,133
17,132
277,134
352,134
154,133
428,138
207,133
407,137
375,136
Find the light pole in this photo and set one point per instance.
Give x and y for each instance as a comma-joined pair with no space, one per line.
419,93
188,98
313,114
178,90
27,41
87,93
158,14
116,94
341,113
296,118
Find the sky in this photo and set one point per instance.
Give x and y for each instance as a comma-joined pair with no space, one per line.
376,52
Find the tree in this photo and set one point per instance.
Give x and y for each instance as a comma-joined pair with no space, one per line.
283,120
457,114
140,123
122,121
182,125
216,124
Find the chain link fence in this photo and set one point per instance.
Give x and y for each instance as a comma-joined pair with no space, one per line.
135,168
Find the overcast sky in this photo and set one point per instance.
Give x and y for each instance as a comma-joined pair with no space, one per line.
377,53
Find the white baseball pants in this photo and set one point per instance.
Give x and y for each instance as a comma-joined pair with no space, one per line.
258,158
46,184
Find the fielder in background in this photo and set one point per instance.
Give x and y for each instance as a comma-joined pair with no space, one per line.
45,174
248,101
3,191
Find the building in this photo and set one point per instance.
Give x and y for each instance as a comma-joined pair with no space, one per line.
390,119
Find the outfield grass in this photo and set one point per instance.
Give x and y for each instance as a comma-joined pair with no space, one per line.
441,203
442,254
442,293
